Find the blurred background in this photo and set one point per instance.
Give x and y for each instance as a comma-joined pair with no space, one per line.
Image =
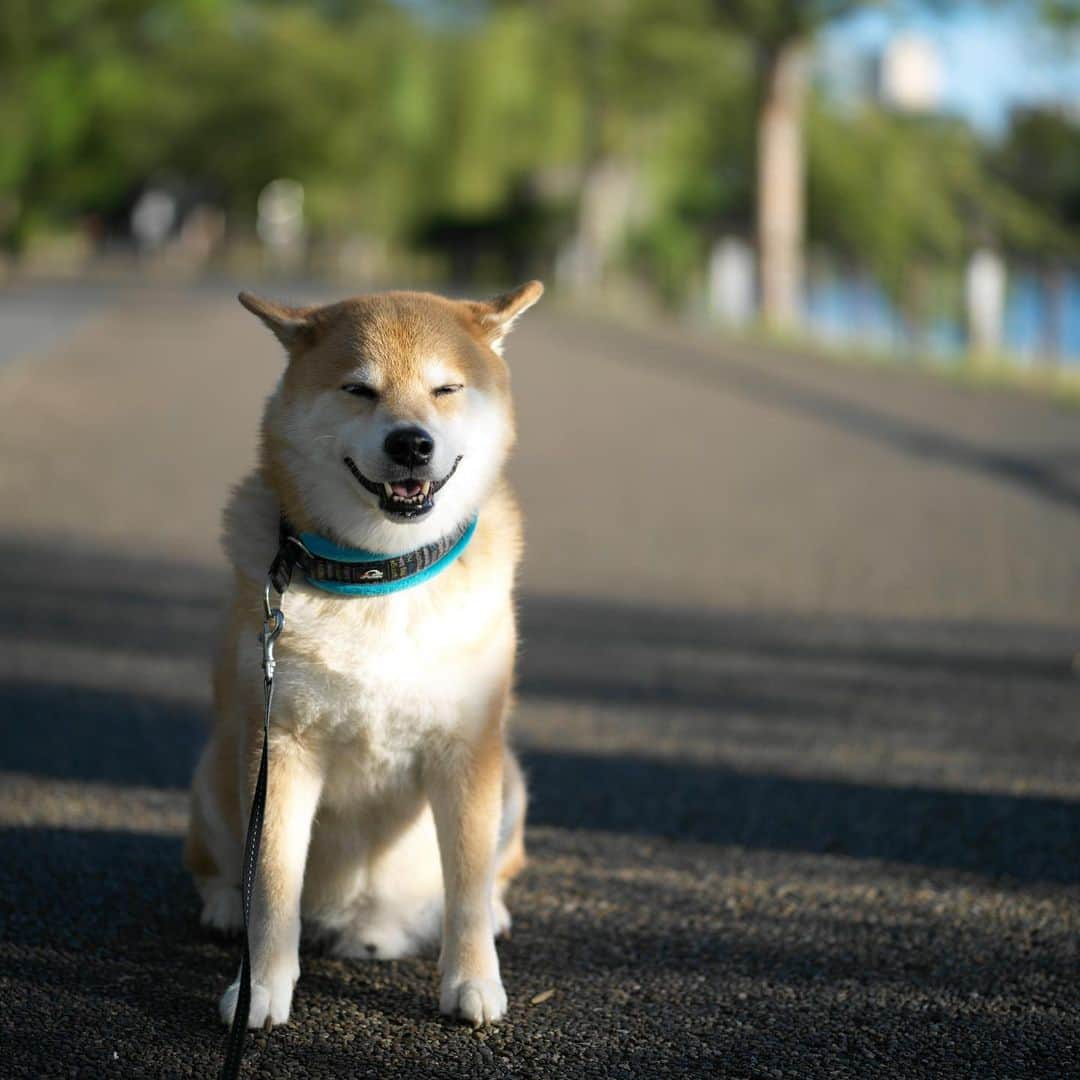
800,667
901,178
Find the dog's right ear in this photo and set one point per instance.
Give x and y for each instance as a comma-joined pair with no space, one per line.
292,326
496,317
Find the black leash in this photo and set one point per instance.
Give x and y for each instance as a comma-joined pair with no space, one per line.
273,623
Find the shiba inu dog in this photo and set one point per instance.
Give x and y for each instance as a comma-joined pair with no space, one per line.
395,811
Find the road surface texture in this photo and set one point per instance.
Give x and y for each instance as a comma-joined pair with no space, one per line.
800,710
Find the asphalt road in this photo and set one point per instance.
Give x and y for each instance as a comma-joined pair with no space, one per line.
800,711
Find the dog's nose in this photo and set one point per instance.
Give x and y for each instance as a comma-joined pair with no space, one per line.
409,446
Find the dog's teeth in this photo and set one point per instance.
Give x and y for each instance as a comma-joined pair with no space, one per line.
389,490
425,487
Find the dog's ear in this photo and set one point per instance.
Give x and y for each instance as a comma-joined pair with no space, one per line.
292,326
495,318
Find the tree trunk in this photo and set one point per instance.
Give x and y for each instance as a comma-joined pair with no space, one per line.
781,170
584,266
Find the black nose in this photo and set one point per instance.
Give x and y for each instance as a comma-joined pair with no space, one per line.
409,446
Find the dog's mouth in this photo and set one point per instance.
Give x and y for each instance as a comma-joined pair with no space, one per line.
403,499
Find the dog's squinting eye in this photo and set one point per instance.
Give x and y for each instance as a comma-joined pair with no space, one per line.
450,388
360,390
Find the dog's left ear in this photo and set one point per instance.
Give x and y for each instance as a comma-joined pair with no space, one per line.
495,318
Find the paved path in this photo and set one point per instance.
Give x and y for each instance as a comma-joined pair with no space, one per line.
35,317
799,709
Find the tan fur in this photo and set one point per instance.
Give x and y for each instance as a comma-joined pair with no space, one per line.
390,783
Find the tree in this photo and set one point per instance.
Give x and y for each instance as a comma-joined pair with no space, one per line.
67,70
780,32
1040,159
629,64
907,198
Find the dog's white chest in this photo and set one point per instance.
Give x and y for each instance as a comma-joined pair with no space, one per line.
377,689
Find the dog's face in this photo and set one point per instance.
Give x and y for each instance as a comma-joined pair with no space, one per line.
394,411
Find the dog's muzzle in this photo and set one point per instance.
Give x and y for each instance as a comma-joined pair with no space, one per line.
405,499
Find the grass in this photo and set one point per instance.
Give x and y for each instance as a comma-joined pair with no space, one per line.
1058,384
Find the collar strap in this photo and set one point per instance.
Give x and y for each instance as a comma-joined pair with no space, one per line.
356,572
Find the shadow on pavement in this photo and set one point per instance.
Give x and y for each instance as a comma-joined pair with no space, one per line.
707,684
107,971
1029,839
99,736
135,740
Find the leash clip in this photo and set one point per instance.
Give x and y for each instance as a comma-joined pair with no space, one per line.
273,624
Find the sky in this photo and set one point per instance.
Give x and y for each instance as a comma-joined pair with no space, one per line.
993,59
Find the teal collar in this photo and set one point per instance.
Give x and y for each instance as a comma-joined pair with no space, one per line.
356,572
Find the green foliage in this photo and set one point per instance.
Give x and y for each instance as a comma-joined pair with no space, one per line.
67,71
1040,160
892,192
397,116
770,23
1063,13
99,96
700,169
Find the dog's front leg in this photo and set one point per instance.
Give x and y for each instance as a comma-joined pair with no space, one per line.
465,787
292,795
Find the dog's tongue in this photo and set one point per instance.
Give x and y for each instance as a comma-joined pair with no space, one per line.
405,489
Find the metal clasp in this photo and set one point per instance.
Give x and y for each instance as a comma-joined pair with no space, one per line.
273,624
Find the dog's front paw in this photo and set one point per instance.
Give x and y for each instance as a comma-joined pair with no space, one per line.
476,1001
271,999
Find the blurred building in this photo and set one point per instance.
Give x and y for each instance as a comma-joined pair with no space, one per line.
910,74
907,74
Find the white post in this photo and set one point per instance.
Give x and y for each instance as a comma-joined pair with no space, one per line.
984,295
731,278
280,224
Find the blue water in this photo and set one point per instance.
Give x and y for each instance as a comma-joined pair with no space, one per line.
854,310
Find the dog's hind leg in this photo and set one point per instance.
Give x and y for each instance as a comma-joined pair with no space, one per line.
394,908
212,849
510,853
